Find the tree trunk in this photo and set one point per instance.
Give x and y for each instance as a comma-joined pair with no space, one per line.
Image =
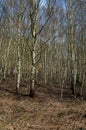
19,70
45,67
33,70
34,29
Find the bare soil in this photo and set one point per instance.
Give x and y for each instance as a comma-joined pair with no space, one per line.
44,112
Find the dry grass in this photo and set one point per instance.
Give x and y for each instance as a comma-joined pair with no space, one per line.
44,112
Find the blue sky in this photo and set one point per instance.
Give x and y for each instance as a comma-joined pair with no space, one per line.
59,2
1,5
43,3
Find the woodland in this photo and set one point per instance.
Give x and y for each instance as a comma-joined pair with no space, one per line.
42,65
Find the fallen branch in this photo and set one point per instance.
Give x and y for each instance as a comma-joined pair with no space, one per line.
44,126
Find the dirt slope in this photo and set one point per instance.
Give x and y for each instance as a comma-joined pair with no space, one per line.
44,112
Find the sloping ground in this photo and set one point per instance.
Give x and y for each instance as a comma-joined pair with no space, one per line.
44,112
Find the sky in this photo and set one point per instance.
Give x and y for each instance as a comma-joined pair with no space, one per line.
61,3
1,5
42,3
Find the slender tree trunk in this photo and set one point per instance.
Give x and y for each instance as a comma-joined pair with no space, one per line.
72,47
19,50
18,70
33,71
6,58
34,29
45,67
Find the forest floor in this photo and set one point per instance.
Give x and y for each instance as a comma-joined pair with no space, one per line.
44,112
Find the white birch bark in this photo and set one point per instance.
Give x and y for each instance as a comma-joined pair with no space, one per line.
34,29
45,67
